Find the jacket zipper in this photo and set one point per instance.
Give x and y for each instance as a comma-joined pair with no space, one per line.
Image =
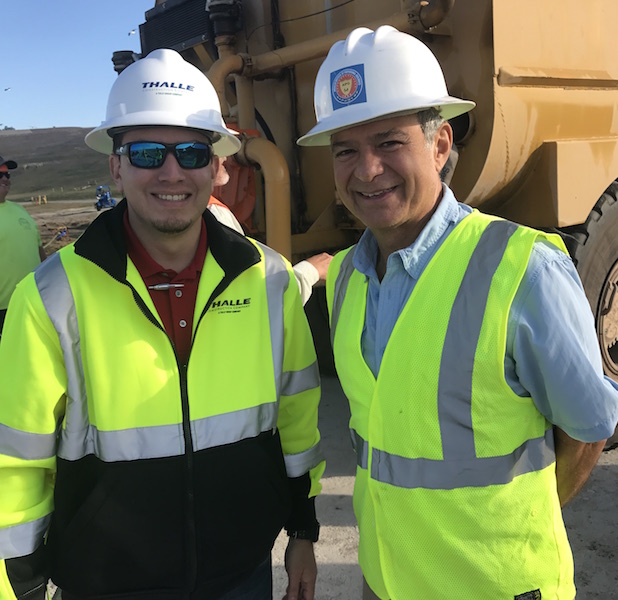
191,540
191,545
190,533
190,497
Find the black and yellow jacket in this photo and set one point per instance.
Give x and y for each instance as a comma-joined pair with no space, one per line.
125,474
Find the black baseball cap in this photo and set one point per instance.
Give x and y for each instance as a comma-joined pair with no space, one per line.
11,164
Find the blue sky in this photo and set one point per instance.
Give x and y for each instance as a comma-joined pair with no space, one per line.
56,58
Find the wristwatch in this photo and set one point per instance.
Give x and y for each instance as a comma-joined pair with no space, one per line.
312,534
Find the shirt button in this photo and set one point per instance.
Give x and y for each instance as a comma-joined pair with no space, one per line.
178,293
182,323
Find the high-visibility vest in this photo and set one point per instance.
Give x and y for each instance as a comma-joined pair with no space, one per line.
92,385
455,491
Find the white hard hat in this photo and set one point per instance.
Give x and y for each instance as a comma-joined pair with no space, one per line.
163,89
377,74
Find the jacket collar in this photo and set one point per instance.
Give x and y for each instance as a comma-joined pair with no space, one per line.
103,244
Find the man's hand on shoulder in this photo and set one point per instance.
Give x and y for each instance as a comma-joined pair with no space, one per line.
302,570
321,262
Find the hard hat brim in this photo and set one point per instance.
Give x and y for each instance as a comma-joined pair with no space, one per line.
320,135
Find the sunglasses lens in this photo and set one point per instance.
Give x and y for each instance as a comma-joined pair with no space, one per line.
151,155
5,174
147,155
193,155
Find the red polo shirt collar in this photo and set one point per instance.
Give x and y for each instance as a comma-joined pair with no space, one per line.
175,305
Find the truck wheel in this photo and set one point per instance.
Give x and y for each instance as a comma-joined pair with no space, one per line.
594,248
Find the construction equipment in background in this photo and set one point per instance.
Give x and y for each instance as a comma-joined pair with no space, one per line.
540,148
104,198
60,233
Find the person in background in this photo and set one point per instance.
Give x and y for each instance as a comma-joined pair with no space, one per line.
160,389
308,272
20,241
464,343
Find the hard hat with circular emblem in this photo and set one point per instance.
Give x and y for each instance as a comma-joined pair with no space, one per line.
375,74
163,89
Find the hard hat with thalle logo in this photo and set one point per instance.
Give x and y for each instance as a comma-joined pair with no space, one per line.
163,89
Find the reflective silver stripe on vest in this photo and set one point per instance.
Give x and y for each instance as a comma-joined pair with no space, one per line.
361,447
460,342
57,297
287,383
461,467
341,285
533,455
167,440
296,382
233,427
277,278
301,463
25,445
24,539
125,444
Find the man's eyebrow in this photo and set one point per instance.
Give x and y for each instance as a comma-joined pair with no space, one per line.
389,133
376,138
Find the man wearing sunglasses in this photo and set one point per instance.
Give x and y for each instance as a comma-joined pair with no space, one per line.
20,242
158,407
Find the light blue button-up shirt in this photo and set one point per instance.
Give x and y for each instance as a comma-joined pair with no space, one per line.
552,352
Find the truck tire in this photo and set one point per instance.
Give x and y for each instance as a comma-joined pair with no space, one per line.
594,249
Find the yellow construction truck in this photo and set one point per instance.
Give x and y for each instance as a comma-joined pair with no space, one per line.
540,148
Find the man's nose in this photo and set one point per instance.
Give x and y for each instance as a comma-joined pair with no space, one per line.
368,165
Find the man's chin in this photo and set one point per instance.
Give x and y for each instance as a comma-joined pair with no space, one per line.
172,227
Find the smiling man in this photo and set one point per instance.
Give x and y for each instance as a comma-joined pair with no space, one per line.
464,343
136,459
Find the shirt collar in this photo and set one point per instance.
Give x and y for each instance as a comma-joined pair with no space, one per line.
413,258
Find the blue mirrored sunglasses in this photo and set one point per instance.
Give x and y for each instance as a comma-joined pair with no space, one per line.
152,155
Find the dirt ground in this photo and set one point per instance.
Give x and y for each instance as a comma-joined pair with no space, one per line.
60,223
591,519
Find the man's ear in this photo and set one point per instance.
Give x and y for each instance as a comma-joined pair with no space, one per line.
215,164
443,142
114,171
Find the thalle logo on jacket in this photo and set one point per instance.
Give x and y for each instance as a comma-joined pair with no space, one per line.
233,305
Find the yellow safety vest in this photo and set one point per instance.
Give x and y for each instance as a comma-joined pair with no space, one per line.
455,490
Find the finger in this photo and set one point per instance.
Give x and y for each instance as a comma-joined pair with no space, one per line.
308,590
292,592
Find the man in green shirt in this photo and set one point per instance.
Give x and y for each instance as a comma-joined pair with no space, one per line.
20,241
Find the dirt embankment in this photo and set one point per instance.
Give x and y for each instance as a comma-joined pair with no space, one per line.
61,223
